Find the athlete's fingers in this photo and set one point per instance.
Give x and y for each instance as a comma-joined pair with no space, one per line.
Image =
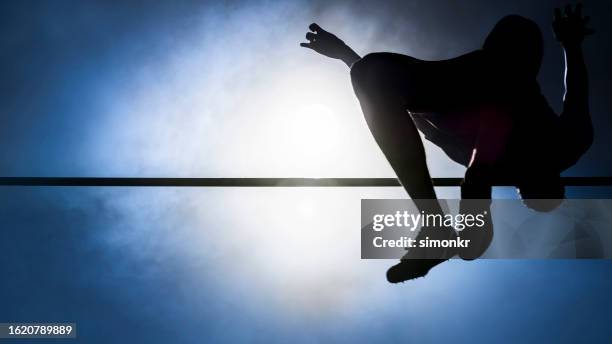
310,36
578,10
568,10
315,28
306,45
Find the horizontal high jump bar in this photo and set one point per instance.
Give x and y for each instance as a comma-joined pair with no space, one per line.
258,182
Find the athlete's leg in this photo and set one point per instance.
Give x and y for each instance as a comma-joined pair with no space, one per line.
382,85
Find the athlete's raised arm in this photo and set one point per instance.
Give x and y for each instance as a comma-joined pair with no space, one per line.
570,29
328,44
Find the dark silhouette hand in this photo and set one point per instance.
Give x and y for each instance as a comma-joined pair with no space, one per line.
570,27
327,44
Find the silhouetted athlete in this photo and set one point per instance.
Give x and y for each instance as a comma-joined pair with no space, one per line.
484,109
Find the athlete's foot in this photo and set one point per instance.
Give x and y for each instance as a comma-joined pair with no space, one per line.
411,269
480,238
419,260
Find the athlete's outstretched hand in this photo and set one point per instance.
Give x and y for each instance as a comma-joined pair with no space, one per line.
570,27
328,44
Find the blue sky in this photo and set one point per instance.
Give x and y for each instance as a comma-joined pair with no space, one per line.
185,88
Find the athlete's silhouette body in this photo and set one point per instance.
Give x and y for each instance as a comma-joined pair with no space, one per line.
484,109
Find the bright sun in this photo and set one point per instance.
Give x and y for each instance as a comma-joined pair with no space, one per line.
313,131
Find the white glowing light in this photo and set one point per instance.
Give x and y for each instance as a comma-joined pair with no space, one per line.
237,104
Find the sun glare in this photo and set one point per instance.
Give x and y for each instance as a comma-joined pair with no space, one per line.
313,131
